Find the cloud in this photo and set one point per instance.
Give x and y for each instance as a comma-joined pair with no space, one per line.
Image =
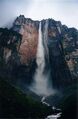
63,10
10,9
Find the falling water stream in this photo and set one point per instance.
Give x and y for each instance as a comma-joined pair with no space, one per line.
41,84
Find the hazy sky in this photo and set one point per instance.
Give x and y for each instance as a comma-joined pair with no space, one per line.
64,10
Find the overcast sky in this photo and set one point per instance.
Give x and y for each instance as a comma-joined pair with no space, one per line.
64,10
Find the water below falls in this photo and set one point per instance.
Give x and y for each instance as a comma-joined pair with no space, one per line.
53,116
41,84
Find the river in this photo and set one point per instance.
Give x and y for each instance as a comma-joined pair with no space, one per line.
53,116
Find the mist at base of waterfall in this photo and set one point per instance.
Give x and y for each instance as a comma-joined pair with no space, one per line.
42,86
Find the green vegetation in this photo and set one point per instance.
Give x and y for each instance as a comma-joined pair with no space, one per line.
15,104
68,102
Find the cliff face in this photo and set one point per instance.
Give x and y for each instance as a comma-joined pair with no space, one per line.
14,62
9,47
59,68
70,46
29,31
19,46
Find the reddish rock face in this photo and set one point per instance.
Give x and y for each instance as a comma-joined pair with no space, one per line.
29,31
28,47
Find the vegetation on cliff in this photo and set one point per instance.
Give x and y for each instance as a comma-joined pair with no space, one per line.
16,104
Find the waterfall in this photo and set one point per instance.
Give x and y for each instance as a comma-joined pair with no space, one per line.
41,85
45,40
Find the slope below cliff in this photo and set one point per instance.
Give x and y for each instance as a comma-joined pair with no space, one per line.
15,104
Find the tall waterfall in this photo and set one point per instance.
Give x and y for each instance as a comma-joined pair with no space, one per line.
45,39
41,85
